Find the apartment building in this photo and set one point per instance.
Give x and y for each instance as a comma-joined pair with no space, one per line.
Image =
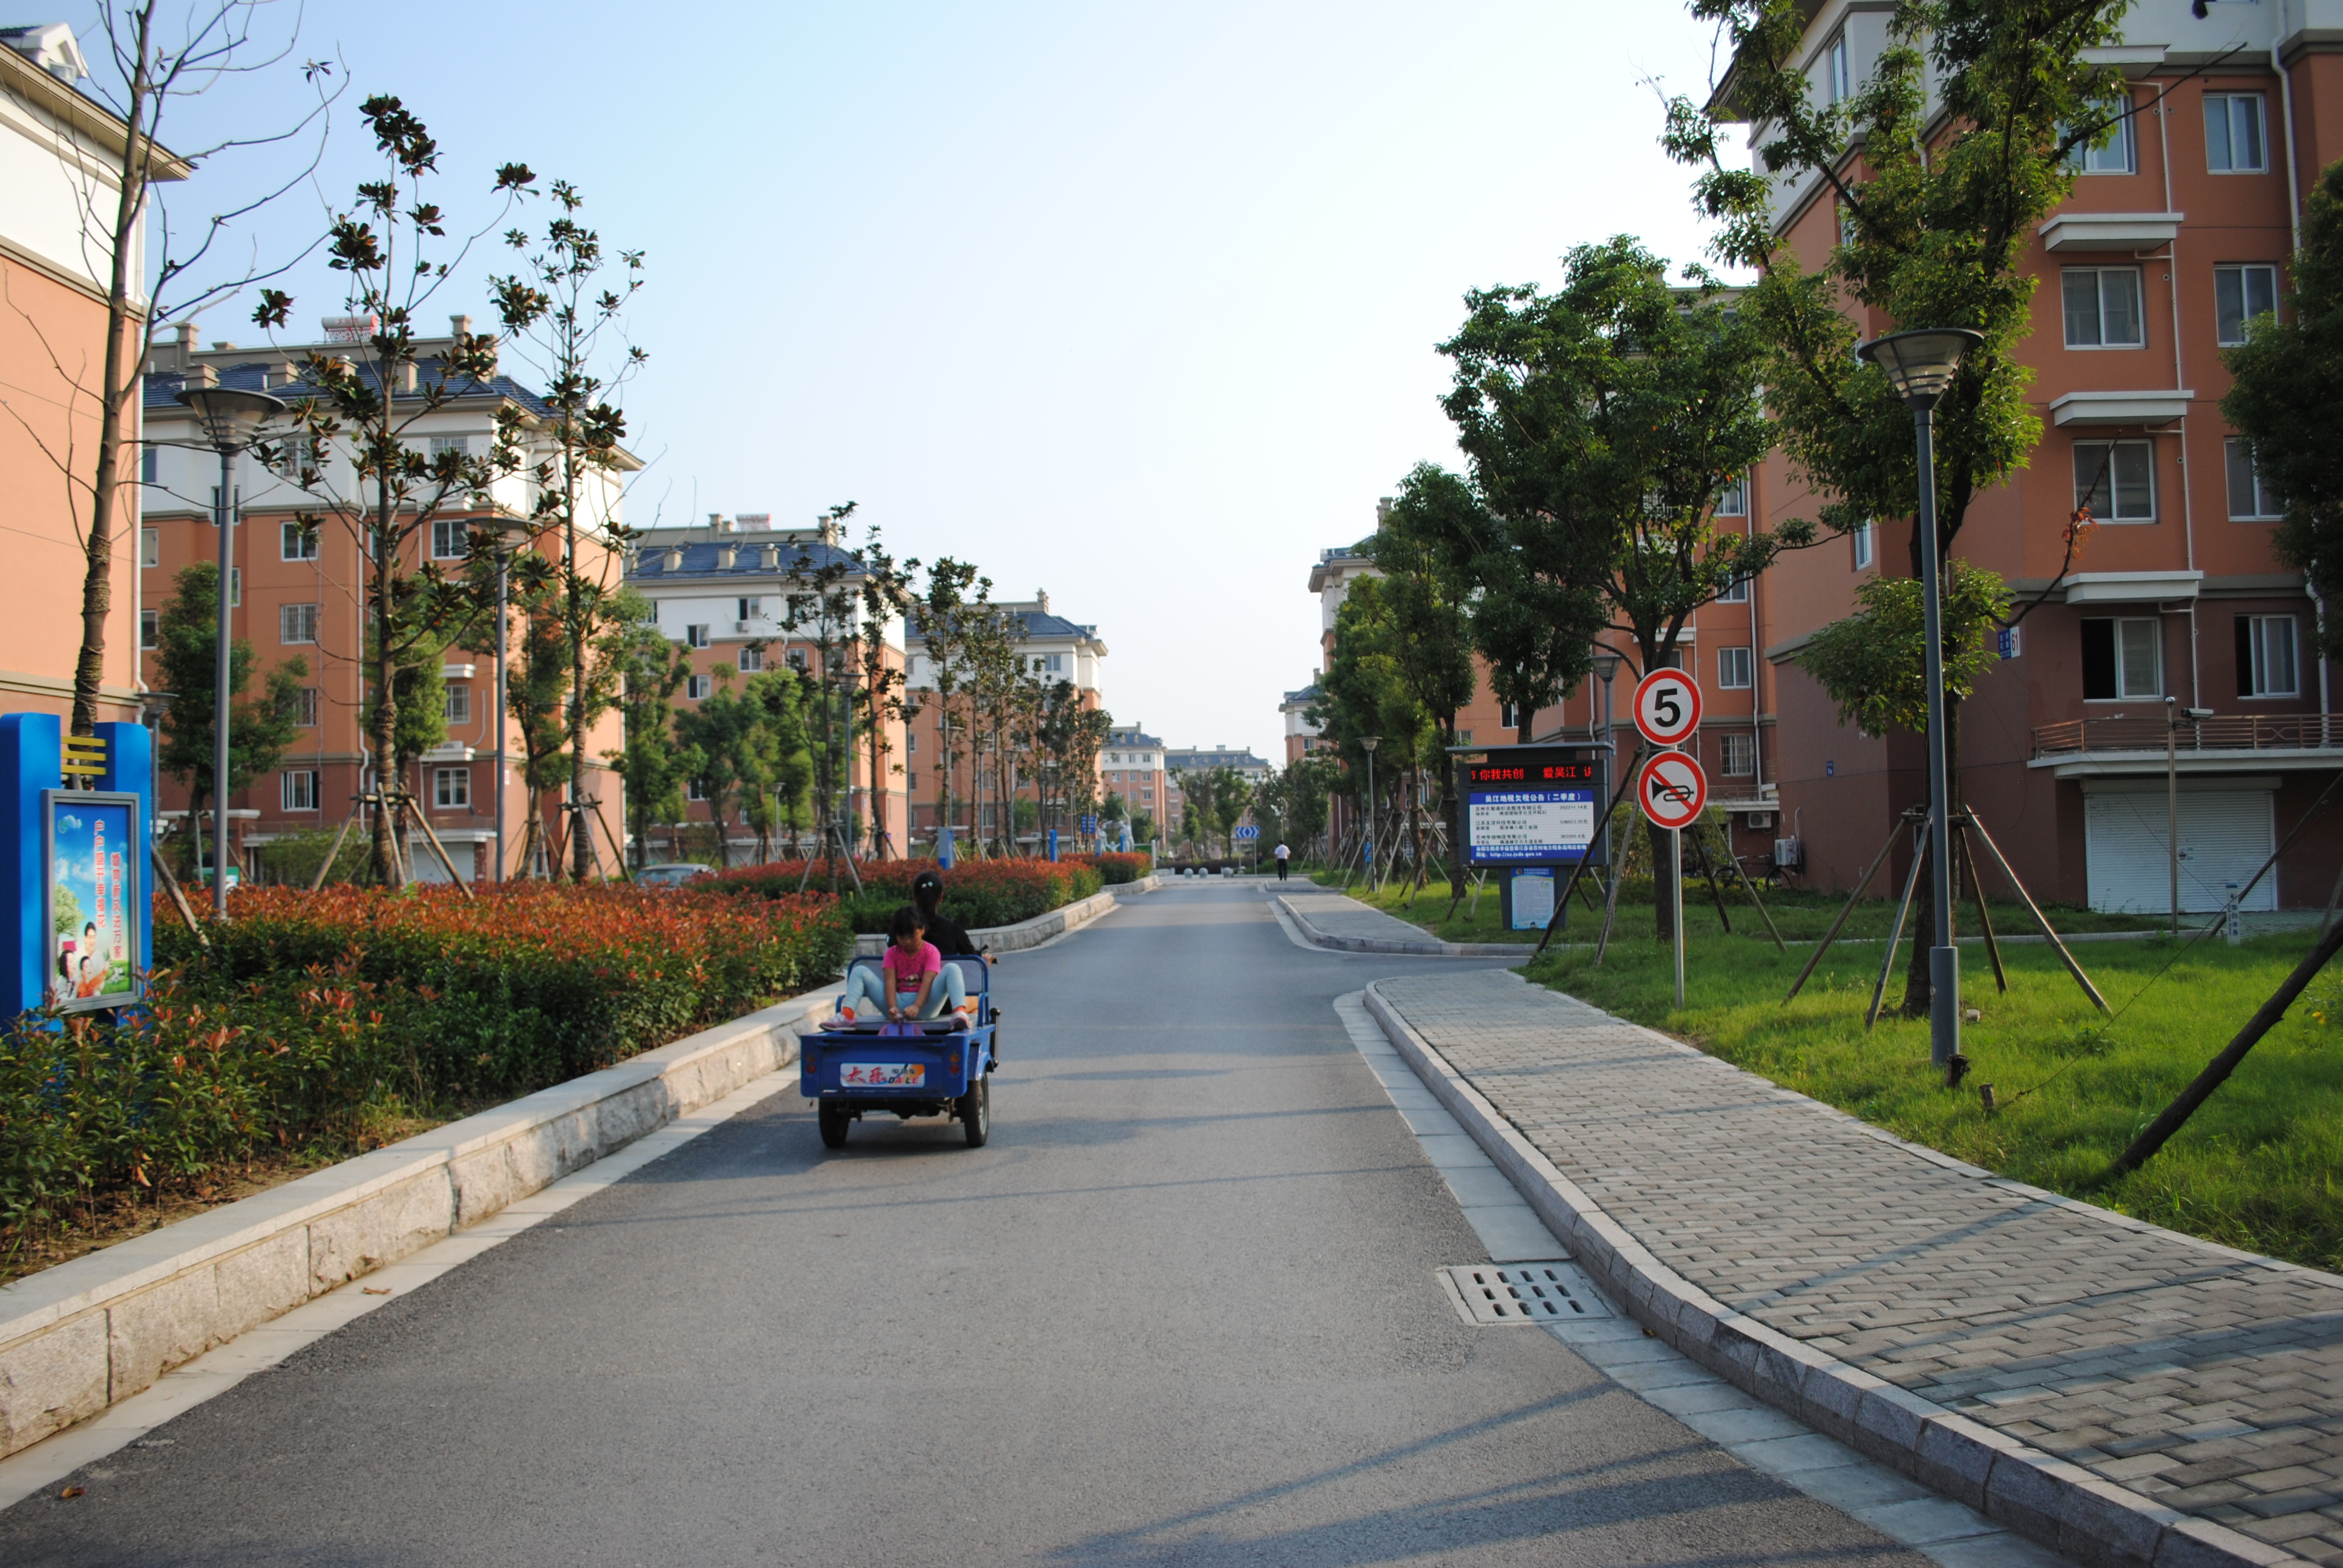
738,592
301,593
1204,760
2176,234
63,155
1053,648
1133,767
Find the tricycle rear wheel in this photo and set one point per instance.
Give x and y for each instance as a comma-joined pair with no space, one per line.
835,1119
974,1109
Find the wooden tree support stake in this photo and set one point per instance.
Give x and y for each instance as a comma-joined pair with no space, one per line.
1970,819
1896,932
1845,909
178,895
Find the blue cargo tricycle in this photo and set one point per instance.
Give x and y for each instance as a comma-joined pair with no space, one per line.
930,1068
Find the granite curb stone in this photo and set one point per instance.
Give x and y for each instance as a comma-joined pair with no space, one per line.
1423,947
77,1337
2048,1499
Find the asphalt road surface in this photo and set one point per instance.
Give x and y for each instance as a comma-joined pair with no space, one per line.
1180,1311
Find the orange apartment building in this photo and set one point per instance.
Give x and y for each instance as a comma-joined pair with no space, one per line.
1054,649
2175,234
63,153
1134,768
726,591
296,597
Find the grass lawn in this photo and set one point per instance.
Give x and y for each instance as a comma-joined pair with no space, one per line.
2257,1168
1802,916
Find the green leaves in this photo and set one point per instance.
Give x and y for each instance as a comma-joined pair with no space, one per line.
1873,664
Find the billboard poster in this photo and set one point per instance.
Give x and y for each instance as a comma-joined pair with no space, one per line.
92,891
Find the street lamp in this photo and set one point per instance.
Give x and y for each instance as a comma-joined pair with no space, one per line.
1607,668
231,418
1370,742
2173,717
1920,366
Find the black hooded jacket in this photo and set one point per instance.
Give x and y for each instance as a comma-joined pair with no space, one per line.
948,935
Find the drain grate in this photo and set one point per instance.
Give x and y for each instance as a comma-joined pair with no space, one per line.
1521,1293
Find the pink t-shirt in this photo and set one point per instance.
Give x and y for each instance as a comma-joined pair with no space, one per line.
904,972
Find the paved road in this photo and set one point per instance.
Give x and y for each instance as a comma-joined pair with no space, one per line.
1181,1310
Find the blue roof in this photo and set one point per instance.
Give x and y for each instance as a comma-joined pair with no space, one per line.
700,557
1130,737
163,386
1238,758
1039,623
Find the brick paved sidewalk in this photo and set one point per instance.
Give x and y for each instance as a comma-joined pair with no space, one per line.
2206,1380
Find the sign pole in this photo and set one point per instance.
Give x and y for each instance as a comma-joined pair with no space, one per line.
1676,904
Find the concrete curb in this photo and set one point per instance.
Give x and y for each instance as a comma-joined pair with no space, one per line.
1424,948
2060,1504
76,1338
1040,928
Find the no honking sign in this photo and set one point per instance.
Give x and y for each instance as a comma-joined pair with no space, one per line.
1671,790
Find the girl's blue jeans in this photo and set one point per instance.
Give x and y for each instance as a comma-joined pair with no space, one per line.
950,990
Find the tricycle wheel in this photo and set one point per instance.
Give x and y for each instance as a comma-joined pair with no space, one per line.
834,1120
974,1109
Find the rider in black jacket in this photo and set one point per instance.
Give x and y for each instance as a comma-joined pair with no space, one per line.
948,934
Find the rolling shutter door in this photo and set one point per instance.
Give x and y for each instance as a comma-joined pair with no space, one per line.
2225,836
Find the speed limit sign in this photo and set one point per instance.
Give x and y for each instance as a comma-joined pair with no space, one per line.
1667,705
1672,789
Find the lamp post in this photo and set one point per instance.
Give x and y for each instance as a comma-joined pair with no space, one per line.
2174,716
231,418
1606,670
1370,742
1920,366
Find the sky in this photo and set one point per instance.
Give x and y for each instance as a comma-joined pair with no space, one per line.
1136,305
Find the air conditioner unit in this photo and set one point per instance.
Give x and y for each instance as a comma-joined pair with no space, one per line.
1789,855
1761,819
743,625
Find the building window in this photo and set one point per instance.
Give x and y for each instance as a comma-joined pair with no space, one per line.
693,792
1736,592
2240,294
695,687
1733,668
150,467
1733,501
2233,133
451,789
235,586
150,546
1866,541
150,629
797,659
296,623
2250,500
694,637
305,709
449,540
461,446
2112,152
1838,84
459,704
2007,643
298,789
2122,659
910,780
752,608
1506,716
2116,480
2103,307
2266,657
1736,754
752,658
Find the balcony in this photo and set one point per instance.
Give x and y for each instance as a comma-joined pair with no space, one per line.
2128,743
2145,406
2126,231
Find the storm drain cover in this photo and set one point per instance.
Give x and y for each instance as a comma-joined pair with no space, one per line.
1521,1293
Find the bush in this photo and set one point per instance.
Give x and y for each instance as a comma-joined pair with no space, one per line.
1116,868
527,985
977,893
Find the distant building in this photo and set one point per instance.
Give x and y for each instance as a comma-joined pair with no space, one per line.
1302,732
1204,760
1133,767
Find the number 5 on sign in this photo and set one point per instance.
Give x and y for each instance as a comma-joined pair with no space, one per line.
1672,789
1667,705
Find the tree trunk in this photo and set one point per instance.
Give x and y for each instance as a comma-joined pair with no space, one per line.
387,869
1664,865
1918,989
114,398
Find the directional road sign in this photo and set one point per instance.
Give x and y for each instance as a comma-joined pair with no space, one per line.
1672,789
1667,705
1249,831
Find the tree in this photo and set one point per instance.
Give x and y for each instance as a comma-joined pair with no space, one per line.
1872,664
1937,216
122,217
783,767
2289,375
826,602
1604,423
556,312
955,596
187,659
650,669
882,588
536,683
374,401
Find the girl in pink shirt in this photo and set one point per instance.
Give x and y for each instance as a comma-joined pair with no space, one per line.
913,981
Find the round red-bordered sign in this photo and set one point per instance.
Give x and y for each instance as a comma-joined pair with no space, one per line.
1667,707
1672,789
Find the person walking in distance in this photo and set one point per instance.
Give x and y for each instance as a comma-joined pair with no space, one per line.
1282,854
